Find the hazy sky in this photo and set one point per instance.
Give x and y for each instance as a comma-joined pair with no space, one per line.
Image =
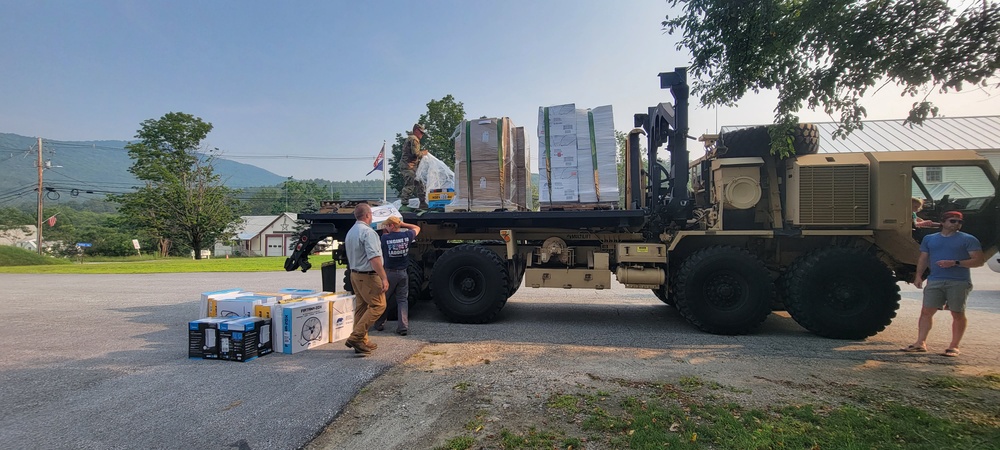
336,78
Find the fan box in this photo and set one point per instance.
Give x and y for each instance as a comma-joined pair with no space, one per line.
244,339
341,317
241,306
209,300
304,325
203,337
294,292
279,295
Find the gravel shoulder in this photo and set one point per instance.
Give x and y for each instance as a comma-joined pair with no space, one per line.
503,378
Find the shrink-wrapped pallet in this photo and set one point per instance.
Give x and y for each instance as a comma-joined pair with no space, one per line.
557,154
484,169
577,158
596,156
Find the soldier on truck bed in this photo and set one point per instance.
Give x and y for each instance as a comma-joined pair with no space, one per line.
412,154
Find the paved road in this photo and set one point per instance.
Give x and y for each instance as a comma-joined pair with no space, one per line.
100,361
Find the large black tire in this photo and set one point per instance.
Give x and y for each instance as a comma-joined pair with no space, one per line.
805,139
756,141
841,293
470,284
515,268
661,293
746,142
723,290
416,293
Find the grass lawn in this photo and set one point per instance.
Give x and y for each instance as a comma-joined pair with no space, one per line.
15,260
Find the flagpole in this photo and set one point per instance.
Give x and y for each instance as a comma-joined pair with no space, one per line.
385,178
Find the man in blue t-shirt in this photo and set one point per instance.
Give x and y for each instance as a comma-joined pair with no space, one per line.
396,242
949,254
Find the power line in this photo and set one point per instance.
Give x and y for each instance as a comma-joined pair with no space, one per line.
110,183
222,155
67,144
305,157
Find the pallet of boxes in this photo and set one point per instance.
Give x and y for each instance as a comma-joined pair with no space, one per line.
240,325
577,165
491,167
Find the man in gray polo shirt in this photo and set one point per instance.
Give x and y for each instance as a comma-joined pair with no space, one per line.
368,278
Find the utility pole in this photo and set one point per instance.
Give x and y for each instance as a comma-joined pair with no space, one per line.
41,192
286,193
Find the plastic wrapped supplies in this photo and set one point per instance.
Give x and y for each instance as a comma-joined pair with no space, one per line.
485,171
437,178
577,157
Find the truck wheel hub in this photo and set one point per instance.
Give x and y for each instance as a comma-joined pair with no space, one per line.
725,290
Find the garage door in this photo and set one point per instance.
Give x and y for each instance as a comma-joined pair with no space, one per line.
275,246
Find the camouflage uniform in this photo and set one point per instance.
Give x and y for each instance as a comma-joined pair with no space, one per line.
412,187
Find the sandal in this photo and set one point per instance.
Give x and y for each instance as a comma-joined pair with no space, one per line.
951,352
913,349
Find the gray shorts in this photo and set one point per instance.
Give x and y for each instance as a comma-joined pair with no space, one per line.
952,293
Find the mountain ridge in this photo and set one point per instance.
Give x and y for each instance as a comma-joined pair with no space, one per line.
82,168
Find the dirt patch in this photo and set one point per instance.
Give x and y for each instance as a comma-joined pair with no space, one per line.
455,389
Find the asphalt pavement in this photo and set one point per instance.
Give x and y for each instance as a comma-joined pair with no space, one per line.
100,361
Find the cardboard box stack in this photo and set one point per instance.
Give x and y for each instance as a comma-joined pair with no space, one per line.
557,167
256,324
484,166
577,157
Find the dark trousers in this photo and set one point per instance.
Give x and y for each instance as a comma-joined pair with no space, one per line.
399,289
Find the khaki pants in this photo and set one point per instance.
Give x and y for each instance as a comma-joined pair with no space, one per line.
369,306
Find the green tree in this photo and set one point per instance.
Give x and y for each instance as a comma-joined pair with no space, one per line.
621,140
440,121
830,53
182,198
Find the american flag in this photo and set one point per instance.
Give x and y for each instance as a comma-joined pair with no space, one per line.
379,160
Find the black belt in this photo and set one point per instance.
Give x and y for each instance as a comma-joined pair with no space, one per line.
365,272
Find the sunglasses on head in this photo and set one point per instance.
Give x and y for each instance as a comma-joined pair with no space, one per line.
954,220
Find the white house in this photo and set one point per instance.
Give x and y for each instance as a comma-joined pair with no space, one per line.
23,237
262,236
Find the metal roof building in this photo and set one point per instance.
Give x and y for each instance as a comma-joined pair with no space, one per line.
980,133
944,133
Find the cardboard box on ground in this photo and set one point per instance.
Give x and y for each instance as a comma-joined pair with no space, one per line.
577,157
244,339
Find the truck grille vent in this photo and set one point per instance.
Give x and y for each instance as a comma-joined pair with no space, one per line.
834,195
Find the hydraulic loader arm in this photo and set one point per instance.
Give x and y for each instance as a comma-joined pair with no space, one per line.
306,241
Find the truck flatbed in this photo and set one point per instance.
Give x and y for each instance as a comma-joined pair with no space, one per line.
496,220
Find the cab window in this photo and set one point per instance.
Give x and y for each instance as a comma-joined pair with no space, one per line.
966,188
